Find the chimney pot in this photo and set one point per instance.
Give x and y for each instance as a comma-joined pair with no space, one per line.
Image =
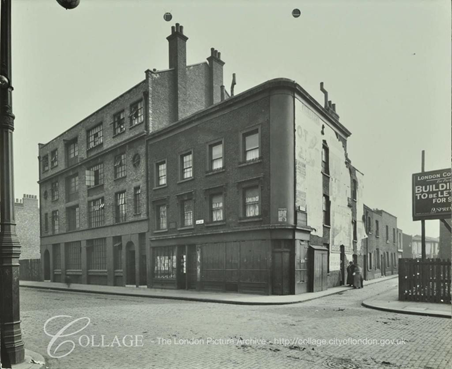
173,29
182,29
219,55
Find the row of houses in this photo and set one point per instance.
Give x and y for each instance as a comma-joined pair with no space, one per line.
179,184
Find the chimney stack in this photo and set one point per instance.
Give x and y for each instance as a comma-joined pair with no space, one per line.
216,75
178,61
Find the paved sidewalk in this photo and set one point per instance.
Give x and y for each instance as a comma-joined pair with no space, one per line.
388,301
218,297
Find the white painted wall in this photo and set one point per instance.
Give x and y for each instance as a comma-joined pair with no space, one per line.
308,156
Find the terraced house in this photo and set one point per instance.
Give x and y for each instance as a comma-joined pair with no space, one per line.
177,184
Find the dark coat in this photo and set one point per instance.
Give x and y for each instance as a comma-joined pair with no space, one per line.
350,270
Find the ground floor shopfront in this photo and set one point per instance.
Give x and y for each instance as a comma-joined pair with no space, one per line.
258,261
265,261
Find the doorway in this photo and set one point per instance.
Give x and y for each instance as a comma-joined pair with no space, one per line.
130,264
281,272
47,265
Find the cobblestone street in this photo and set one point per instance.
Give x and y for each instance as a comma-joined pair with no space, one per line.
187,334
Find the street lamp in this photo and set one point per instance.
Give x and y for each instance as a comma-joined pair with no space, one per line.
11,344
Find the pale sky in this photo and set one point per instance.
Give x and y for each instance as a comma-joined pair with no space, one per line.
386,65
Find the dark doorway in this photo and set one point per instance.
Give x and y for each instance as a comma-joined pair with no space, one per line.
46,265
343,265
191,267
281,272
130,264
181,267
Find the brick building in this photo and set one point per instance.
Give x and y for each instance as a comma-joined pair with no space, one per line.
26,212
380,249
255,194
93,188
431,247
176,184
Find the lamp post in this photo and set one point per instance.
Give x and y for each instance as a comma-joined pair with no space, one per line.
11,343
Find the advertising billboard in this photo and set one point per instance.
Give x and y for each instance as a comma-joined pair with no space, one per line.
431,195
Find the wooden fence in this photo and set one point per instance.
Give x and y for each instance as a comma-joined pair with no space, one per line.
30,270
425,280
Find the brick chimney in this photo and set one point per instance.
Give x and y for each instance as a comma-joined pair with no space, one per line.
178,61
216,76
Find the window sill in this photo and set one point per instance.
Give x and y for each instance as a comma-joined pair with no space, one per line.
54,166
93,147
251,219
136,125
161,231
186,228
136,214
215,171
119,178
214,224
119,133
160,187
55,200
186,180
250,162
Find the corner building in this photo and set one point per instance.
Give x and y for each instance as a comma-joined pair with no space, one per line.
255,194
93,190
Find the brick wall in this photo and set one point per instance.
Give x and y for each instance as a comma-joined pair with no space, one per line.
225,126
27,226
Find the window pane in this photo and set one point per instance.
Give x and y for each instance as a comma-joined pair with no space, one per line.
252,202
188,213
187,166
217,208
161,174
251,141
162,217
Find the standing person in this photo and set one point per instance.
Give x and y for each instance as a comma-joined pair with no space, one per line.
350,274
357,283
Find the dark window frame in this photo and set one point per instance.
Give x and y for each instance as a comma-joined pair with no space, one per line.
73,218
245,205
244,150
211,161
119,123
45,163
326,210
93,140
136,113
120,161
55,222
120,207
54,158
55,190
158,176
96,213
325,158
161,224
137,200
97,176
72,152
189,168
72,187
216,210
